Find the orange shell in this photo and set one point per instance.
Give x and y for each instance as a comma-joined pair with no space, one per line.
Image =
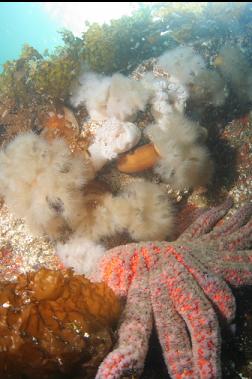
143,158
218,61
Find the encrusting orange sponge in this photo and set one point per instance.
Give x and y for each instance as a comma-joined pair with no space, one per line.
55,323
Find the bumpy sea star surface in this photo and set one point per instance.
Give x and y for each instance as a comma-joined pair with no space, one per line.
183,286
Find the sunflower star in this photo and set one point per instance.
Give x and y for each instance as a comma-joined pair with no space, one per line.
180,285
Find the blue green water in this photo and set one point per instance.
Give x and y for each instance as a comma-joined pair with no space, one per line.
22,23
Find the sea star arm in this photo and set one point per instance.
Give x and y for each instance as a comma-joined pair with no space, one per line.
240,240
240,218
201,320
240,256
236,274
206,221
118,268
213,286
220,257
134,333
171,329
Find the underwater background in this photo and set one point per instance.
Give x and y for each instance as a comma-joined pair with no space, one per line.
22,23
55,57
38,24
